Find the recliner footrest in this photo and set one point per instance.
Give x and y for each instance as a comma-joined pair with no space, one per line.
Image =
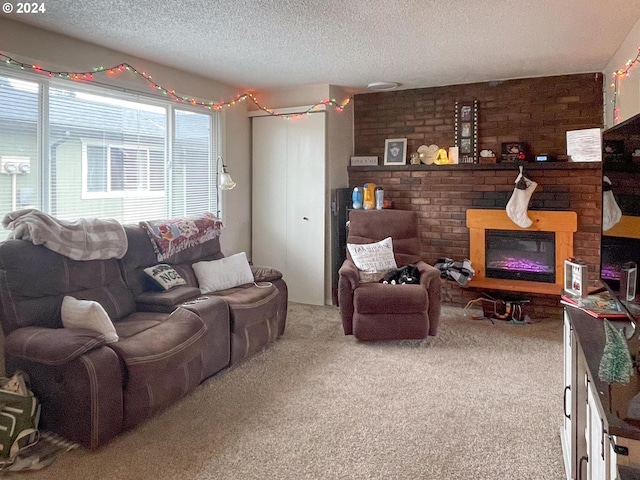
386,298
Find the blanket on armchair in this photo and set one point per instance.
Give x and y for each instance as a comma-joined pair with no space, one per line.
83,239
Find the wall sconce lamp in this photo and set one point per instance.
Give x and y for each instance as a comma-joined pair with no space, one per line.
226,182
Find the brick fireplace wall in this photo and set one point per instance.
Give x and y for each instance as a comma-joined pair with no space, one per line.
537,111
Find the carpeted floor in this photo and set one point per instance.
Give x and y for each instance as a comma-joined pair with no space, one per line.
479,401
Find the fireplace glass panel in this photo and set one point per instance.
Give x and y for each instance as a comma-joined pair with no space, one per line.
520,255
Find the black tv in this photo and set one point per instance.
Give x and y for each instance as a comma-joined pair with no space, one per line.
620,239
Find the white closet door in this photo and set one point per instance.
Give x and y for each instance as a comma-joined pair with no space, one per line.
306,209
269,192
289,199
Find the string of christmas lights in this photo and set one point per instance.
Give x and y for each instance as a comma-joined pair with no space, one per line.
125,67
617,75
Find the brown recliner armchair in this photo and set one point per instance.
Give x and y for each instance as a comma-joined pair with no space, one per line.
377,311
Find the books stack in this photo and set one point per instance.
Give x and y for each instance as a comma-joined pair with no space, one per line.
598,305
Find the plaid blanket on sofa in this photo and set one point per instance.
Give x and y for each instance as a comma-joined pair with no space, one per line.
83,239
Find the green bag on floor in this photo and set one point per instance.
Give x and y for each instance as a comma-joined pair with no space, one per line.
19,417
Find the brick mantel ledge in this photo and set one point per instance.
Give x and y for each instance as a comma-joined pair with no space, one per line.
481,166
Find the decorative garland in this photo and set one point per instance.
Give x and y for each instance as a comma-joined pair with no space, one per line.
125,67
623,72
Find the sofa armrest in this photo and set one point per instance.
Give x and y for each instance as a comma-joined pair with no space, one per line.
82,400
348,281
349,271
430,279
52,346
265,274
166,301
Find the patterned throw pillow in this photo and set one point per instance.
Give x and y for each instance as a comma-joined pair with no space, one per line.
373,257
165,276
373,260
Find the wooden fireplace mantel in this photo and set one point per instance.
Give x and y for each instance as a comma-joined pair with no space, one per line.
564,224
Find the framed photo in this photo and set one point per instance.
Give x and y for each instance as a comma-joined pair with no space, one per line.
514,151
395,151
466,131
575,278
613,151
465,113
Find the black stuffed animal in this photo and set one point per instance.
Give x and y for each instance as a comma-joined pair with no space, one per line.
409,274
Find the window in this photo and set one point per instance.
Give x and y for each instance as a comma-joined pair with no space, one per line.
95,152
124,171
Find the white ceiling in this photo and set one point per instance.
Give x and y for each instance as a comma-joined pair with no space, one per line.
258,44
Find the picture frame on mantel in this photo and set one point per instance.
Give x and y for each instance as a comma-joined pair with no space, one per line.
395,151
466,131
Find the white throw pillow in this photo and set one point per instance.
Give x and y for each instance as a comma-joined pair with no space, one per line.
373,257
165,276
228,272
87,314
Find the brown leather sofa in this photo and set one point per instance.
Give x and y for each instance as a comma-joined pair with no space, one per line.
257,316
92,390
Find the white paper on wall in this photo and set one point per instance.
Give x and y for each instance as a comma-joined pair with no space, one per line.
585,145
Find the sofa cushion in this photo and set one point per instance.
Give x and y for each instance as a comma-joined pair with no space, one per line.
138,322
87,314
165,276
228,272
162,363
254,318
35,280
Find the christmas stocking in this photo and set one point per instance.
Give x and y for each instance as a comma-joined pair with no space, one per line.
519,201
611,212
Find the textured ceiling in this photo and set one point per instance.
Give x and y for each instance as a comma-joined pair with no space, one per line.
259,44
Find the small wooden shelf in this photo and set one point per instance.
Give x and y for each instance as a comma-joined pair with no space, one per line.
520,286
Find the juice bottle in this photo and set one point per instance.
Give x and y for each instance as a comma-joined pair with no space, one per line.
369,201
356,197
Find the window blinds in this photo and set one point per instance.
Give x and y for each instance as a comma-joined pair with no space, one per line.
93,152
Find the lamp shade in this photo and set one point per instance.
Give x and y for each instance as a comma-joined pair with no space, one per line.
226,182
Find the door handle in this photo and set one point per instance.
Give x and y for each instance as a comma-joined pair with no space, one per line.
305,219
564,401
602,440
583,458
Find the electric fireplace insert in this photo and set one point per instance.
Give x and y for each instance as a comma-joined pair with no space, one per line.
520,255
